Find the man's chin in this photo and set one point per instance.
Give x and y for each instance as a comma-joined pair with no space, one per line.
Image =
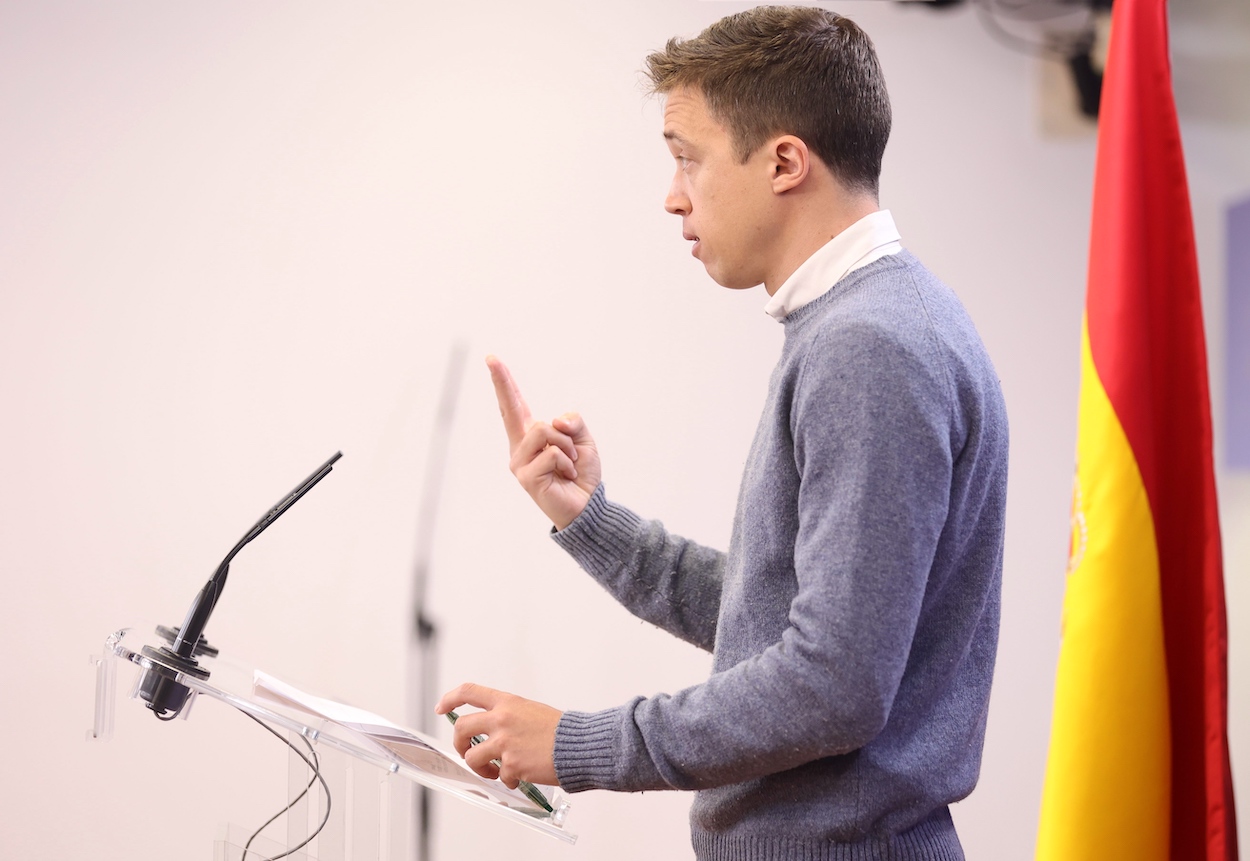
729,278
732,281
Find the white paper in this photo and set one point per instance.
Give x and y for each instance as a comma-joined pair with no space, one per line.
421,751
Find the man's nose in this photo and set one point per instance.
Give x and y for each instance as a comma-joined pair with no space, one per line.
676,202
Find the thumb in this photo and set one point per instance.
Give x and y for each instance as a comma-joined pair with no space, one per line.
574,426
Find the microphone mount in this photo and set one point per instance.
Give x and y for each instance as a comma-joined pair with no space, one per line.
160,686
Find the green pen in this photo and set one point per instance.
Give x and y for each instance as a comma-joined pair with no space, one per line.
532,792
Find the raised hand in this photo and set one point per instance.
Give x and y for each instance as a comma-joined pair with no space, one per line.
556,462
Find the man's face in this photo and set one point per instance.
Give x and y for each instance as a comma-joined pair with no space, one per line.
726,208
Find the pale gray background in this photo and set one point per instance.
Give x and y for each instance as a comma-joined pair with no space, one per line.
237,236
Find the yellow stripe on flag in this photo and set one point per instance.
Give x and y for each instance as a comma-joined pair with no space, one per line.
1109,769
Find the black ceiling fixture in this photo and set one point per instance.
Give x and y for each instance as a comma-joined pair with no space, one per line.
1066,31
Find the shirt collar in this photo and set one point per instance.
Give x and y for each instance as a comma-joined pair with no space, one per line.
871,238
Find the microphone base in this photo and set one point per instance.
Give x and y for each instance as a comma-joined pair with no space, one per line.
159,686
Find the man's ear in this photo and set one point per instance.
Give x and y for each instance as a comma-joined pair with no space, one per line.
791,163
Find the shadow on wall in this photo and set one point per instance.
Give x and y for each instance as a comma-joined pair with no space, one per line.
1210,43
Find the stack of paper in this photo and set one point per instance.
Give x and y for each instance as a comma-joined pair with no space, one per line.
422,752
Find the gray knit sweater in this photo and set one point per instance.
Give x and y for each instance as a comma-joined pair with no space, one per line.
854,619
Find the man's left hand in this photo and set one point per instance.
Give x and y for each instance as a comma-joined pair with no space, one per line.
521,734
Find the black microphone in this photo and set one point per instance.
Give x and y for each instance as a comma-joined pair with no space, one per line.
159,687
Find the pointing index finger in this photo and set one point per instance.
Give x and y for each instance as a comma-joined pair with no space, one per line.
512,407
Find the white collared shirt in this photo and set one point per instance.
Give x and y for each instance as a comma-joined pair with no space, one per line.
871,238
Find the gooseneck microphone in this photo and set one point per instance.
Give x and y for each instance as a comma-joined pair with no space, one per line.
159,687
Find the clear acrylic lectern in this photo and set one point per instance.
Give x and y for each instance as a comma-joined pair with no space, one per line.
371,781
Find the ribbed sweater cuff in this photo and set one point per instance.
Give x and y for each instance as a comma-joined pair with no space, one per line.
585,742
602,536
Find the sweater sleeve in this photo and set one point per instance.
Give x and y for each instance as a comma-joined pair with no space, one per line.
663,579
871,422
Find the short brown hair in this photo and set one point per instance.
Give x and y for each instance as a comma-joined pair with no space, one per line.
788,70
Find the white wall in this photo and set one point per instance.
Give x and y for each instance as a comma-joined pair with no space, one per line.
235,237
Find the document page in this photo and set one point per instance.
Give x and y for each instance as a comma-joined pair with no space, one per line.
422,752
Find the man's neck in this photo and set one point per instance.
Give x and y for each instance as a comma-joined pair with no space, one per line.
815,221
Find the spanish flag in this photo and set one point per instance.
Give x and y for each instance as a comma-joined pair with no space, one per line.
1138,766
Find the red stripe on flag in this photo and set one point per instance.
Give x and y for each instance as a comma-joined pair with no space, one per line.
1144,308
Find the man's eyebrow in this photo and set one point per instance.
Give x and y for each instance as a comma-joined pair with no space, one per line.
670,135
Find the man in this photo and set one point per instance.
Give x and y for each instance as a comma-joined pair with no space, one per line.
854,617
